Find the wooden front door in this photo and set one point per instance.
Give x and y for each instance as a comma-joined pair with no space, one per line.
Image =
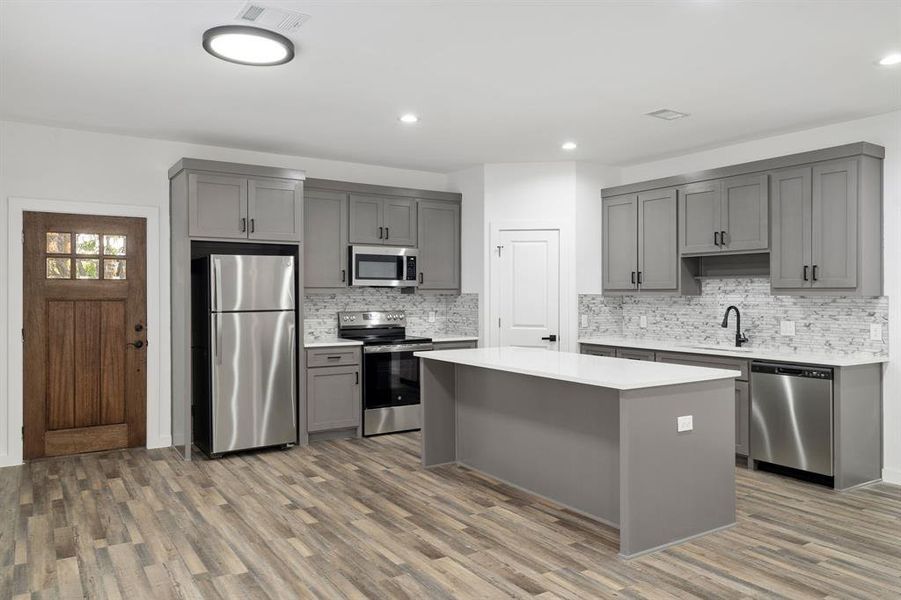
85,333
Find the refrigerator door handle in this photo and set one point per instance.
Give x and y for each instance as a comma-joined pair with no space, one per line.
217,284
217,333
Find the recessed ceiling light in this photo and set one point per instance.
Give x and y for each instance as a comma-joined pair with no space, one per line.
667,114
248,45
409,118
890,60
569,146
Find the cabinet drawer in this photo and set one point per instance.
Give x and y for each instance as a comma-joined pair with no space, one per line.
633,354
455,345
598,350
713,362
333,356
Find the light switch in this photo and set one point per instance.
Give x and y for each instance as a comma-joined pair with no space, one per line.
685,423
584,321
876,332
787,327
643,322
431,316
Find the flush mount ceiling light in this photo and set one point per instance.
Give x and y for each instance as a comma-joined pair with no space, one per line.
569,146
408,118
890,60
667,114
248,45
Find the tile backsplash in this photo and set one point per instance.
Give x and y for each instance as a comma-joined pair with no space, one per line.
456,314
834,324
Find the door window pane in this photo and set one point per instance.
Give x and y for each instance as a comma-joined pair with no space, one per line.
59,268
59,243
87,268
114,245
114,268
87,243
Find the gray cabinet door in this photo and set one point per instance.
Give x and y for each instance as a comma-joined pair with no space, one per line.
744,216
333,398
325,239
699,217
366,220
834,225
217,206
635,354
275,209
620,243
399,220
742,418
791,208
439,245
658,253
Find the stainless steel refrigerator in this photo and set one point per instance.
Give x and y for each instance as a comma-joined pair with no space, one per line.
248,341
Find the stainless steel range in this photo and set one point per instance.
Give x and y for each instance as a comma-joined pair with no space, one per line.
390,371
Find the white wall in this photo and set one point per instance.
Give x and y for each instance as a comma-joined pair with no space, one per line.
64,164
884,130
471,183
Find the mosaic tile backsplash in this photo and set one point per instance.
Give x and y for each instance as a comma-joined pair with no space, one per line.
833,324
455,314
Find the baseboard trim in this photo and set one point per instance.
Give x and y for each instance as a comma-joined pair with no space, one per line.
891,476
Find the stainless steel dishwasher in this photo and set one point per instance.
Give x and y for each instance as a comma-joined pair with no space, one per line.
791,416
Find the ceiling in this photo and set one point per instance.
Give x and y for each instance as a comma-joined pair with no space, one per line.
493,81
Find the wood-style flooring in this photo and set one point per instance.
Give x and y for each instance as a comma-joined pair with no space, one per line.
361,519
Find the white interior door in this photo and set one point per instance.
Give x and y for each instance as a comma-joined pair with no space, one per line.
527,288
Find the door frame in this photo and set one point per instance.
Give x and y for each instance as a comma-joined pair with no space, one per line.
568,298
158,413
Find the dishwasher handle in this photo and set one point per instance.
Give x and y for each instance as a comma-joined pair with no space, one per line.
792,370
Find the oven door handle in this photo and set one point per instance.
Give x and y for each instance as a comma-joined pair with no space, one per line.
397,348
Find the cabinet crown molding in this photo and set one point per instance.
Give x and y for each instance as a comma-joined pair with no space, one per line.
216,166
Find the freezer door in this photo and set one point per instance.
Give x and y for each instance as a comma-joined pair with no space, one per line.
251,282
254,399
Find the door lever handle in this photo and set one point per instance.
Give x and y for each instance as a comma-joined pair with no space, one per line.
138,344
551,338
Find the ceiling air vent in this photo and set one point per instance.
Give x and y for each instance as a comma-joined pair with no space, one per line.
271,17
667,114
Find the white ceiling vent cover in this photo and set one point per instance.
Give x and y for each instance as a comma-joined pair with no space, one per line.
271,17
667,114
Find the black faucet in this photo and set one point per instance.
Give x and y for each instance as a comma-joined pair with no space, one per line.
740,338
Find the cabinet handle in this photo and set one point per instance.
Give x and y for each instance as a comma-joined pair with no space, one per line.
722,238
420,278
333,357
387,233
633,277
639,278
243,225
814,272
716,238
252,225
380,232
343,275
357,374
805,273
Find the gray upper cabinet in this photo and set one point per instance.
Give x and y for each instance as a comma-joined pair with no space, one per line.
217,206
325,239
439,245
744,213
658,253
620,243
275,209
815,227
725,215
699,217
791,202
382,220
834,214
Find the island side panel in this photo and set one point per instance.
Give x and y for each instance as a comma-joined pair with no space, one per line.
438,396
858,425
676,486
557,439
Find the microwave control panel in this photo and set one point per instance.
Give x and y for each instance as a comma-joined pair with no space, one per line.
411,268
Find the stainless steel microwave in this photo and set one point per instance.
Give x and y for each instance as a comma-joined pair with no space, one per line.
383,266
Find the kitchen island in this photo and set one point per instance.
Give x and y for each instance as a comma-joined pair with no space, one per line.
598,435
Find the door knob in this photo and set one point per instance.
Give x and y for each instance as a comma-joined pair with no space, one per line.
138,344
551,338
139,328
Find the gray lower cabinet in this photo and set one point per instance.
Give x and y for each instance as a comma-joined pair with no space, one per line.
461,345
598,350
227,206
325,239
382,220
816,213
333,389
439,245
725,215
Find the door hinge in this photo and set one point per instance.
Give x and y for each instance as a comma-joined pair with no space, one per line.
23,334
498,321
23,237
23,432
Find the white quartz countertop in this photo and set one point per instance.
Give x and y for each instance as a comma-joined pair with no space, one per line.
329,342
789,356
600,371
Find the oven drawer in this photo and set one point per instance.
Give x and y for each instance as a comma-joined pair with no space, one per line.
335,356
